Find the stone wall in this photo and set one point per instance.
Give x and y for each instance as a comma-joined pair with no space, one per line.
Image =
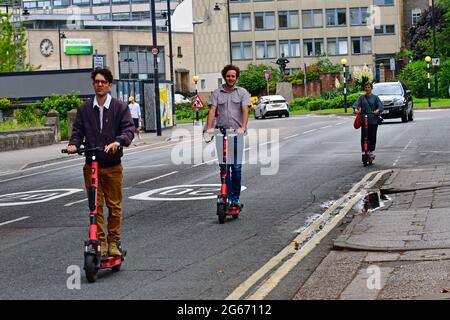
26,138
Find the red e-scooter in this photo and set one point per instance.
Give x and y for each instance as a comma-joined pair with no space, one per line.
223,207
367,158
93,261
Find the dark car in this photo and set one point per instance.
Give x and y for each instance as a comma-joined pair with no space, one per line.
397,100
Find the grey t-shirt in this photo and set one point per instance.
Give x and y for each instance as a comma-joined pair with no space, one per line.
229,106
369,104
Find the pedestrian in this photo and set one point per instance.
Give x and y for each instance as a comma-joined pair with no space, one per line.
135,110
104,122
368,103
230,109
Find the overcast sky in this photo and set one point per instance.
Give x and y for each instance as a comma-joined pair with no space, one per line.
182,17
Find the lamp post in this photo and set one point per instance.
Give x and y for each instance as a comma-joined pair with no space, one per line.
217,8
428,60
344,63
155,52
194,23
195,79
169,26
60,36
433,22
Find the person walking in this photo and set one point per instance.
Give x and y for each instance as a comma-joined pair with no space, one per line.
371,105
104,122
229,108
135,110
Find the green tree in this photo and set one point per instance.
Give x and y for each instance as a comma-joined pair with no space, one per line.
9,50
253,79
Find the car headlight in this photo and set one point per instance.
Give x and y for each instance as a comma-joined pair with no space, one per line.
399,102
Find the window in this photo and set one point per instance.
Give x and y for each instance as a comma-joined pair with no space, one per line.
416,14
288,19
312,18
312,47
136,62
121,16
58,3
385,29
337,46
266,49
264,20
100,2
103,16
290,48
359,16
336,17
240,22
203,84
241,50
383,2
82,2
179,54
361,45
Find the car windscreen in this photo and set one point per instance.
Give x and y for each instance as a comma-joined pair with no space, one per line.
385,90
275,101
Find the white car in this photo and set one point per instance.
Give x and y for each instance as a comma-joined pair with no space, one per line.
274,105
179,98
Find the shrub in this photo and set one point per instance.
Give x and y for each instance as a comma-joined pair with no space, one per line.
414,75
299,103
185,111
61,103
28,115
5,104
315,105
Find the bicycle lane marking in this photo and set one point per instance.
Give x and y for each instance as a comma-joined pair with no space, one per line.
15,220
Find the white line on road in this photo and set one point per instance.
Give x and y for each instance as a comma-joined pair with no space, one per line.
156,178
337,124
400,155
288,137
325,127
200,164
72,203
312,130
15,220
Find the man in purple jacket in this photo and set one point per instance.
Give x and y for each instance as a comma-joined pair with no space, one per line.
104,122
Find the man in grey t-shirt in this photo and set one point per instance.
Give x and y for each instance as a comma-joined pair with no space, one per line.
229,108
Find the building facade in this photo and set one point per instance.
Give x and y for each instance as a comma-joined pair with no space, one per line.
365,32
412,11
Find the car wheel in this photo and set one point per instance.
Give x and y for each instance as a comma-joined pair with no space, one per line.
411,115
287,115
405,116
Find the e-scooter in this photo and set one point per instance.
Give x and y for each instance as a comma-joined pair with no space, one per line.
366,157
93,262
223,207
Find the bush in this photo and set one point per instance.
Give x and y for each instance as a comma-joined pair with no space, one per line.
28,115
61,103
315,105
64,129
299,103
414,75
5,104
185,111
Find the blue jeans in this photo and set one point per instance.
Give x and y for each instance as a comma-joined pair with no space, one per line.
233,165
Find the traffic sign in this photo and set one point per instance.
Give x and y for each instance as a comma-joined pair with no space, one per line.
197,103
435,61
155,51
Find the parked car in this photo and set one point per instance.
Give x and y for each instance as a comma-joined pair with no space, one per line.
397,100
274,105
179,98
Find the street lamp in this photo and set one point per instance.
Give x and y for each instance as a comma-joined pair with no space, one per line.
428,60
217,8
195,78
433,20
344,63
195,22
169,26
61,35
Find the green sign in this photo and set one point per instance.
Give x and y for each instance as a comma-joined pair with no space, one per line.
78,46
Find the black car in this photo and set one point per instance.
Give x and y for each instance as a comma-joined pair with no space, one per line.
397,100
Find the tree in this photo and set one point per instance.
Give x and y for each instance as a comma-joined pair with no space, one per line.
421,34
253,79
10,52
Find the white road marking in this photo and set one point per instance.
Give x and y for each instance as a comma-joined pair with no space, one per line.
325,127
15,220
156,178
72,203
400,155
200,164
312,130
292,136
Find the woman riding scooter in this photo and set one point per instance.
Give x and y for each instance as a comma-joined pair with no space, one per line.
371,105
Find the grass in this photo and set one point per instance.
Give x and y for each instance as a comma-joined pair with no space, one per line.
10,125
422,103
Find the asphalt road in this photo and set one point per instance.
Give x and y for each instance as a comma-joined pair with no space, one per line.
176,248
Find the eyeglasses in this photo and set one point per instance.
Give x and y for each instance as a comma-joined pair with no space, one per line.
98,82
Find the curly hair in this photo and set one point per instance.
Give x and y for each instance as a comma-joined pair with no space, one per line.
104,72
229,67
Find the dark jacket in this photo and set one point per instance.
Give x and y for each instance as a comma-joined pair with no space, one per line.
117,126
369,104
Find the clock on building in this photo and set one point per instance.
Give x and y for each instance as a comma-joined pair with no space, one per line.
46,47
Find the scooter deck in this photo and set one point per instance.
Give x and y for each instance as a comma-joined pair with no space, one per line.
235,210
112,261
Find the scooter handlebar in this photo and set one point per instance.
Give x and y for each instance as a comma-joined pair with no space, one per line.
83,150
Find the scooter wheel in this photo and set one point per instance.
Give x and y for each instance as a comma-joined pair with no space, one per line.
89,267
221,213
235,216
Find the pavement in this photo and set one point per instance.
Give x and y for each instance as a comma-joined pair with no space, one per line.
398,251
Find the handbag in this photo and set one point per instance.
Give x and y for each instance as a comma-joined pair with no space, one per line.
357,122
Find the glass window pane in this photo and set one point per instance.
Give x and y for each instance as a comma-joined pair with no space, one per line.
331,47
271,49
282,19
234,22
331,21
248,53
354,16
270,20
356,45
342,17
246,23
367,45
284,48
259,21
293,19
259,49
318,20
318,47
295,48
343,46
236,51
306,18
